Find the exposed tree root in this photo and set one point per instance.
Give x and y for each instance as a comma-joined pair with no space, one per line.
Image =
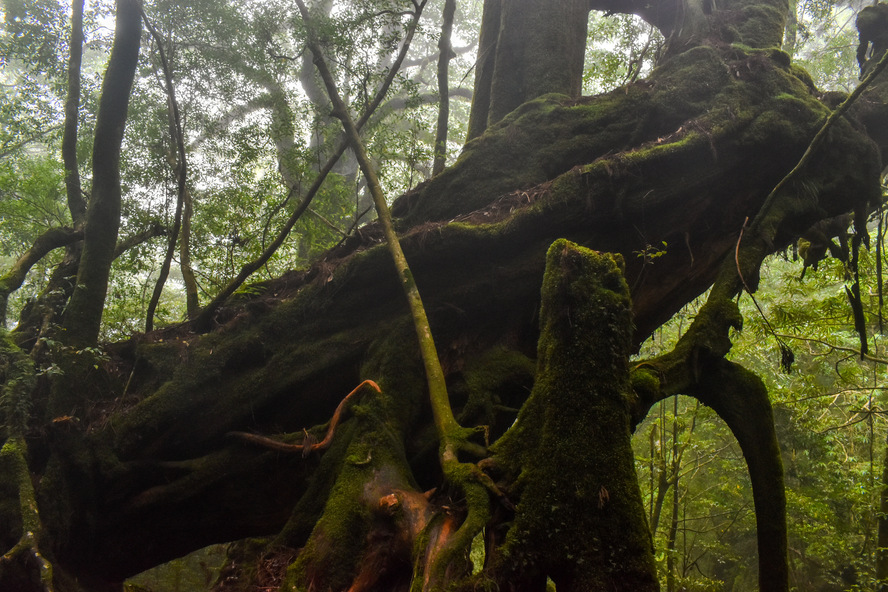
740,398
308,444
23,567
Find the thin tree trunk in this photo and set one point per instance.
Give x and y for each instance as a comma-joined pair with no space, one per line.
443,414
73,189
76,203
205,318
192,299
181,169
445,54
652,483
882,544
83,317
662,476
673,523
792,28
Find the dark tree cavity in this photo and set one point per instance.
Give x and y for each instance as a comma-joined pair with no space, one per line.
139,466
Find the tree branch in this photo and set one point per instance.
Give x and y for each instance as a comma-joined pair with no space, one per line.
181,170
12,280
308,444
205,318
83,316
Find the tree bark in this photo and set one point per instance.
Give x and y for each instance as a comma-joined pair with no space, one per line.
43,244
579,518
480,278
76,203
882,536
527,48
180,167
675,469
445,53
84,314
665,159
192,297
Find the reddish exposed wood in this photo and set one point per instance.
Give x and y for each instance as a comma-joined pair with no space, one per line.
311,446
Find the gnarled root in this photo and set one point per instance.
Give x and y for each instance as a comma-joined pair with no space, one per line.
23,567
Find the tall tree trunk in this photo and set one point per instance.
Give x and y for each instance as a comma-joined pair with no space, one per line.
527,48
792,28
83,316
445,53
484,64
180,167
673,522
76,203
192,299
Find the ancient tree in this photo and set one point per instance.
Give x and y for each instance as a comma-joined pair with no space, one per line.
529,253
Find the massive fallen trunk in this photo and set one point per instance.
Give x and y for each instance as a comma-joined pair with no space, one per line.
664,171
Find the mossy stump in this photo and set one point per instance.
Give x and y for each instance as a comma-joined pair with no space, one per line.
579,518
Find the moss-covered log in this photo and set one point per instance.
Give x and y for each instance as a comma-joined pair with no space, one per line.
137,468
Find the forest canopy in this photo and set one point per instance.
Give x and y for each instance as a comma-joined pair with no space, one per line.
443,295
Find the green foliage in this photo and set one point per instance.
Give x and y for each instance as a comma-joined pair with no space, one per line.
17,379
34,33
825,43
828,416
31,201
650,253
621,48
257,123
830,425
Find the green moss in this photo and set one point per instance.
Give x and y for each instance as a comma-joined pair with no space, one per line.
249,291
367,461
687,84
646,381
564,132
17,381
571,440
803,76
489,378
331,556
393,361
13,472
762,26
